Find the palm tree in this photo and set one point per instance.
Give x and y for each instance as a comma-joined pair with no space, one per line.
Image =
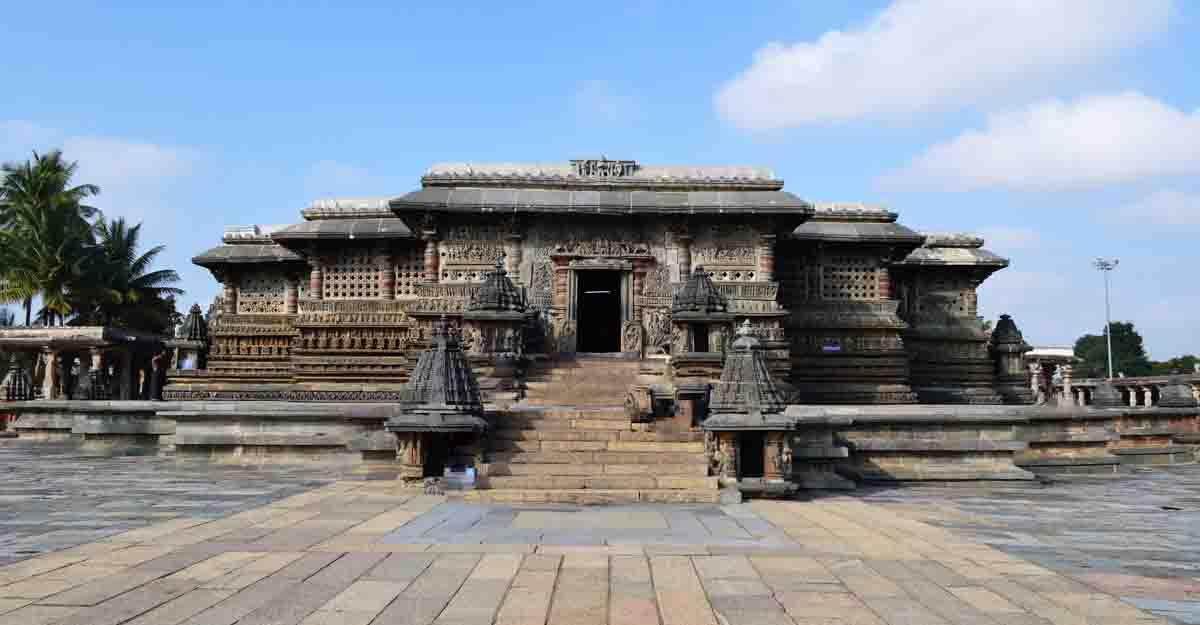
120,285
44,233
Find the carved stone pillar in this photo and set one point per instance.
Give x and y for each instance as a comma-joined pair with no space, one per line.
513,254
1068,394
387,274
559,296
775,456
727,457
229,292
50,380
410,452
291,294
683,249
431,255
316,278
1133,398
766,257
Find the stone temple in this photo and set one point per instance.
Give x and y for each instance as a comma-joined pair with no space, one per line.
851,306
602,330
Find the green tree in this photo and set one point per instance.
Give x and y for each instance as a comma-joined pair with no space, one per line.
121,287
45,235
1128,353
1180,364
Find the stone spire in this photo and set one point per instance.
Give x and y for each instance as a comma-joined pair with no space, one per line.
1177,394
443,378
699,295
17,384
1008,349
194,327
497,293
1105,395
746,386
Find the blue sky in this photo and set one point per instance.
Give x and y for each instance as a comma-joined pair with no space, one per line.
1058,130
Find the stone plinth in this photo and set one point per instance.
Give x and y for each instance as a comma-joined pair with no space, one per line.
1147,436
276,432
927,443
1069,442
115,427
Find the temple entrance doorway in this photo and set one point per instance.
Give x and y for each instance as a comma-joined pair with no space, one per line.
599,311
750,454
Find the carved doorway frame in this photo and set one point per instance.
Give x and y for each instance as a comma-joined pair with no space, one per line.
624,267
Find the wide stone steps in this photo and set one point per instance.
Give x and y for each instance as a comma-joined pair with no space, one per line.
599,482
617,446
495,469
588,496
570,441
598,458
600,434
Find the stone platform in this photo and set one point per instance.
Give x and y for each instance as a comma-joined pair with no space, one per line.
376,553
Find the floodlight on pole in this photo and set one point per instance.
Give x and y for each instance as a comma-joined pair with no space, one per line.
1105,266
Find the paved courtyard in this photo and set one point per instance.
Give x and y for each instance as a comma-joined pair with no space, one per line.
219,545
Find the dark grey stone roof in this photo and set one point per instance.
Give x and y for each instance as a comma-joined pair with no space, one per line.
746,387
857,232
1006,333
244,253
497,293
348,208
954,250
442,377
344,229
1177,394
699,295
537,200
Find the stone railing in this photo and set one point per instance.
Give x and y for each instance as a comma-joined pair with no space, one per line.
1140,391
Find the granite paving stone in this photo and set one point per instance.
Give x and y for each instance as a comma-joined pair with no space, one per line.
236,546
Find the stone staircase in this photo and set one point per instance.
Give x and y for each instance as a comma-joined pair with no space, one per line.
570,441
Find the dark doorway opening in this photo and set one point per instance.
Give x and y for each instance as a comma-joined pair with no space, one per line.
599,311
436,453
750,454
700,337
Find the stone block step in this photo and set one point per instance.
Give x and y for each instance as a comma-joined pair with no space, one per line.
658,470
612,425
564,412
596,458
597,482
607,400
560,433
593,497
602,445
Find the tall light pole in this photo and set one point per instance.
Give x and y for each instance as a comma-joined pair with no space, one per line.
1106,265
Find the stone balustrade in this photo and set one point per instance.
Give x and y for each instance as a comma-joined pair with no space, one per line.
1137,392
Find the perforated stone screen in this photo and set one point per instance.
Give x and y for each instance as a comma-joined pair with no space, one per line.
410,267
849,278
354,274
261,293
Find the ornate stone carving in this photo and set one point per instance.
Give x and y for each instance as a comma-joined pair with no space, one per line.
658,282
603,247
261,293
658,330
631,337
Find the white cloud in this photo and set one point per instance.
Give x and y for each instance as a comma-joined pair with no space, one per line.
134,176
1093,141
600,102
1004,238
1165,207
918,56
